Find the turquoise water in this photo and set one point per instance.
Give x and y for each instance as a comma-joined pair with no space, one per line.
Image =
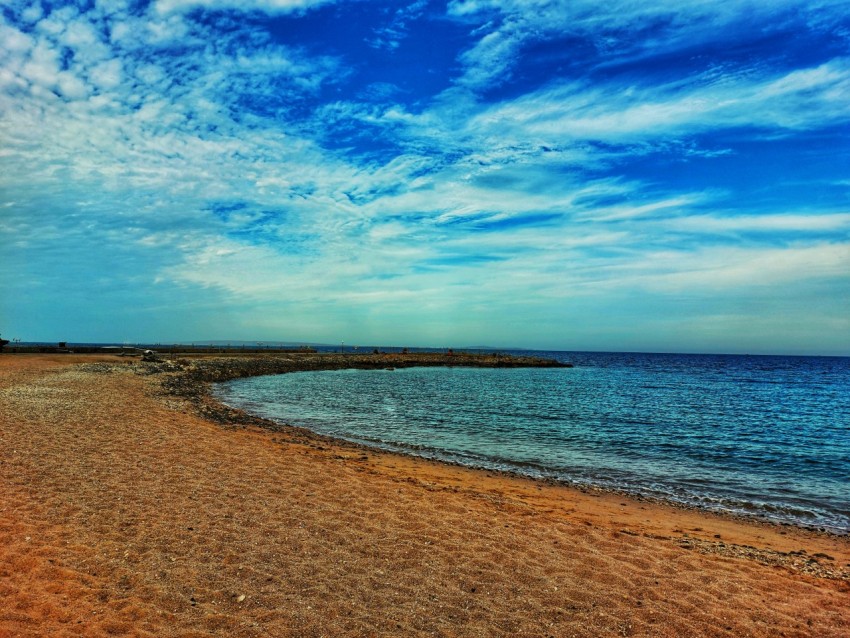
764,436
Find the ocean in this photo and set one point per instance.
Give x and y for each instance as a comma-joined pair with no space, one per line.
763,436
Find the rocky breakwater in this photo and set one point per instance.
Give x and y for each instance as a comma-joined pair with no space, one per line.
191,379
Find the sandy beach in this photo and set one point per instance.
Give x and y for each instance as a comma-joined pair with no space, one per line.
125,511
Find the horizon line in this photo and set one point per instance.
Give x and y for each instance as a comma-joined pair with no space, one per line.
352,346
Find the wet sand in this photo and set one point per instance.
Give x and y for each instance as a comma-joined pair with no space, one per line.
125,512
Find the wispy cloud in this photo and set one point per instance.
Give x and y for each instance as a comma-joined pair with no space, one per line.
266,6
388,36
621,31
800,99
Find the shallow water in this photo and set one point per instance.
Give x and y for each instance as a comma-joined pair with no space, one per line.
766,436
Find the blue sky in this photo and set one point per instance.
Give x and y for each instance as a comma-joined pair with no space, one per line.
657,176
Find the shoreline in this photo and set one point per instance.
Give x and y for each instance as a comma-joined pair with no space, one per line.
196,384
211,371
128,509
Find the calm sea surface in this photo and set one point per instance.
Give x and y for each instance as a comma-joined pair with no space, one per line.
766,436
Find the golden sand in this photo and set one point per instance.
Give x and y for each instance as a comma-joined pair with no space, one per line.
123,513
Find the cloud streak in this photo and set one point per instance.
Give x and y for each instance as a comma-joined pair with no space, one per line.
272,7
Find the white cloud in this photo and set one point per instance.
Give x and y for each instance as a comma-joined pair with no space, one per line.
768,223
32,13
489,62
55,23
42,67
162,32
800,99
674,205
14,41
151,74
113,7
71,87
79,34
266,6
107,75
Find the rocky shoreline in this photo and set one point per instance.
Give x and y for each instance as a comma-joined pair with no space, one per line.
194,377
220,369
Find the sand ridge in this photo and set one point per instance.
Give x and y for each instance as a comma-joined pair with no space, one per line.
123,512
